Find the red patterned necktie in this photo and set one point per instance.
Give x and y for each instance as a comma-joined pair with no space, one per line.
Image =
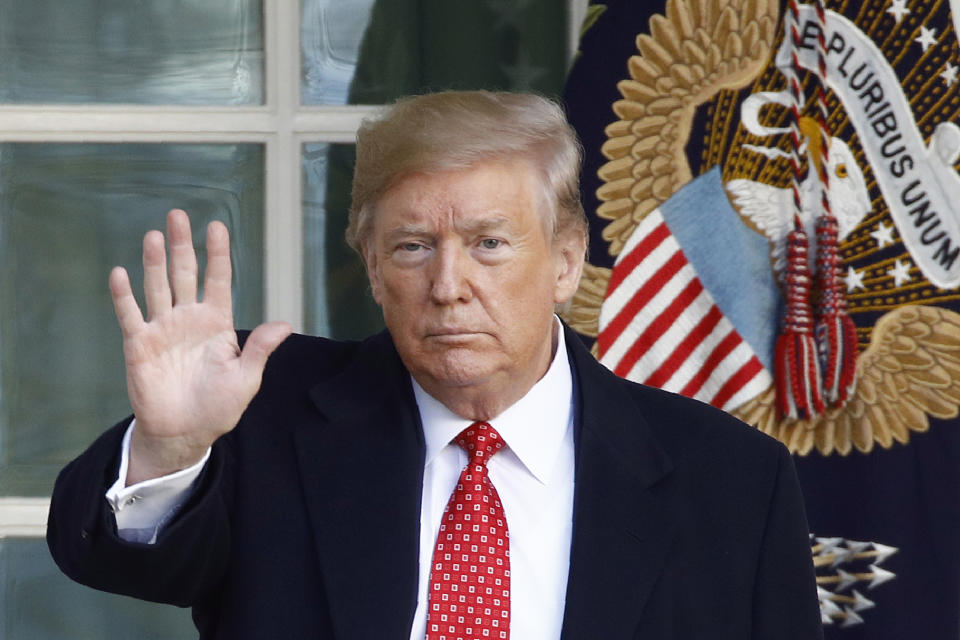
469,595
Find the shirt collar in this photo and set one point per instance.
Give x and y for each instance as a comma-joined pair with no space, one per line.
534,427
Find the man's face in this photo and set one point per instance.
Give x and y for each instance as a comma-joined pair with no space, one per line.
467,274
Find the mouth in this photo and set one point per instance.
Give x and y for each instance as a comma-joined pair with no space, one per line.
452,334
445,331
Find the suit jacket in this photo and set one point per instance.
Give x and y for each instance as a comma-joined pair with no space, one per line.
305,524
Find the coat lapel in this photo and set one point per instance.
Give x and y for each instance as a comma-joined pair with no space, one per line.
361,465
622,522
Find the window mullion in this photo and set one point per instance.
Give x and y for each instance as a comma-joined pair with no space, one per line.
45,123
331,124
23,517
283,262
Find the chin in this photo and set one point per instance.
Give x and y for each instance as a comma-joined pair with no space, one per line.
459,368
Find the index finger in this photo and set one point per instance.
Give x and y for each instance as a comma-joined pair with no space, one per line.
125,306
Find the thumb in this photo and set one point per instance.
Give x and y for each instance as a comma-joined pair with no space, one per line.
260,344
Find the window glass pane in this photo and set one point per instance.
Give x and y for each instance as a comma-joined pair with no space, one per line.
39,602
337,299
187,52
330,34
68,213
382,49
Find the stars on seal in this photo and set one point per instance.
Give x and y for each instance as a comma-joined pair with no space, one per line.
927,38
949,74
854,280
898,9
900,272
883,235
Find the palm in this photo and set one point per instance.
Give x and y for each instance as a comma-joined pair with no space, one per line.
187,379
183,368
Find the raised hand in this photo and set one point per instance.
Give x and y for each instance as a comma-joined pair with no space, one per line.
187,378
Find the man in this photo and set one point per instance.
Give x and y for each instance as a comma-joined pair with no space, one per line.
324,496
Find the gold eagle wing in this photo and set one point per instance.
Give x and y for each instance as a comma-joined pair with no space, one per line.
910,371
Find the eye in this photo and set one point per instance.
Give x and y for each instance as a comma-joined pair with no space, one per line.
490,243
411,246
841,171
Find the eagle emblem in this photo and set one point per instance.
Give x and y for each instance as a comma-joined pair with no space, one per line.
696,293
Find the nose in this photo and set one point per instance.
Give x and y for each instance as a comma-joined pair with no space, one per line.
449,276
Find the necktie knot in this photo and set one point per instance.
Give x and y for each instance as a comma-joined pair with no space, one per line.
480,441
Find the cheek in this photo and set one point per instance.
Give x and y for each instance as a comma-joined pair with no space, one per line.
402,299
521,303
403,327
400,288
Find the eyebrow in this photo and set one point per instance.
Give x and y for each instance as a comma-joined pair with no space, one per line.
406,231
474,227
485,224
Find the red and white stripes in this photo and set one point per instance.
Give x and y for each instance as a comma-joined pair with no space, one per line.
660,326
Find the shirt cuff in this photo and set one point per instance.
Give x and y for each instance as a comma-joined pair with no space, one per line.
141,510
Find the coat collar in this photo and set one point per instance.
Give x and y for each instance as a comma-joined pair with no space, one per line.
369,425
622,520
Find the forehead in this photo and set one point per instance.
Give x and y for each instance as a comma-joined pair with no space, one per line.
508,190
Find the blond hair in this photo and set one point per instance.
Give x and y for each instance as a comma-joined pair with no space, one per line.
455,130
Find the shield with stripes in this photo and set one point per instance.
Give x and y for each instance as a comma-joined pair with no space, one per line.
663,319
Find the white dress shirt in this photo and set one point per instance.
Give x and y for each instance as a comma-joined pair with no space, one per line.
143,508
533,475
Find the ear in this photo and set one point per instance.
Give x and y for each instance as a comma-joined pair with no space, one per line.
373,271
569,254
